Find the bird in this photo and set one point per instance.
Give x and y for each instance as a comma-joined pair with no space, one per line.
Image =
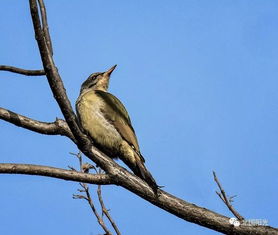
104,118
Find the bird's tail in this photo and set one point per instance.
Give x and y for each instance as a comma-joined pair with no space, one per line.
139,169
144,174
135,161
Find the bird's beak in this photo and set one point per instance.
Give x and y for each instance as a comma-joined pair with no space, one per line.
109,71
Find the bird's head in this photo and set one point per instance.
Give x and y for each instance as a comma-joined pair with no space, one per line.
98,81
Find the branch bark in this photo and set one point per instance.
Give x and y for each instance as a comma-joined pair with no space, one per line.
224,198
22,71
85,189
45,27
28,169
106,212
122,177
59,127
166,201
53,76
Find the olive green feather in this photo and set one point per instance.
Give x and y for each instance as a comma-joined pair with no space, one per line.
115,112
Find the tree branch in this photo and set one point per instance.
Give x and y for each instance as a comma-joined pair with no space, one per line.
53,76
129,181
168,202
224,198
22,71
28,169
85,189
59,127
45,27
106,212
91,203
179,207
58,90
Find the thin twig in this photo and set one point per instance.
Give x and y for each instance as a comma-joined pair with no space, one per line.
224,198
106,212
88,197
99,218
22,71
45,27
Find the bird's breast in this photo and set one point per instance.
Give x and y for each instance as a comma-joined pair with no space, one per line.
90,108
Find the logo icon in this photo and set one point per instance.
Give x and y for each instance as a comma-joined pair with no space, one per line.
234,221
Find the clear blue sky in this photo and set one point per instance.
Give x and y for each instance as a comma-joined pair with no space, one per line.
199,79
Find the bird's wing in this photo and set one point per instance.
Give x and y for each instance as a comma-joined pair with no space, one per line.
115,112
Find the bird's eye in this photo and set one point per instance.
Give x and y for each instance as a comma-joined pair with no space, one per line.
96,77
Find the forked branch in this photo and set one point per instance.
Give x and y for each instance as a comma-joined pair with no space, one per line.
224,198
85,189
106,212
52,74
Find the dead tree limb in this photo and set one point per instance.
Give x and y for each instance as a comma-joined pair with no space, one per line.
29,169
85,189
45,27
22,71
224,198
58,127
106,212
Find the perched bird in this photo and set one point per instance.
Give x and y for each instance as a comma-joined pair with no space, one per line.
104,118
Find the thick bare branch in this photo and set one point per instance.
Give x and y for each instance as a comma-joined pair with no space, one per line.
59,127
22,71
182,209
179,207
224,198
28,169
53,76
